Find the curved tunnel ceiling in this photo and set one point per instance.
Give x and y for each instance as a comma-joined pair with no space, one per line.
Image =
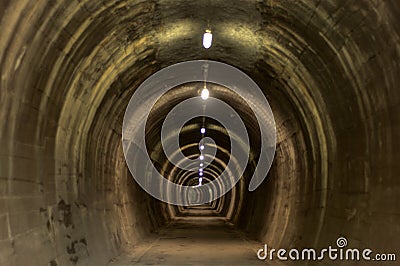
68,69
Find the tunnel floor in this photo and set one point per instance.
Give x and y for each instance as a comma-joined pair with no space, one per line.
197,237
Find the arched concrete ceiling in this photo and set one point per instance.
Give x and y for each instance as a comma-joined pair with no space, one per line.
68,69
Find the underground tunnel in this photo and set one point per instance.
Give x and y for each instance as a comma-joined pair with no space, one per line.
329,70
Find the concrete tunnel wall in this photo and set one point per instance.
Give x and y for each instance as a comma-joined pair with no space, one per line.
68,68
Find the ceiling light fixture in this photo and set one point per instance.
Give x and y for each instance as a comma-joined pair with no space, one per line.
207,39
205,93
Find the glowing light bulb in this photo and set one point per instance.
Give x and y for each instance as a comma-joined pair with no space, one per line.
201,157
207,39
205,93
201,174
200,179
201,165
202,130
201,147
201,170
